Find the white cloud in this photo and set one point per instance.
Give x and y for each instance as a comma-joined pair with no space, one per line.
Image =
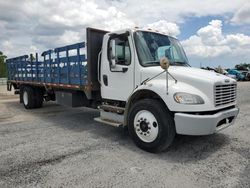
238,40
210,42
69,37
81,13
115,20
166,27
242,16
7,47
40,25
211,34
174,11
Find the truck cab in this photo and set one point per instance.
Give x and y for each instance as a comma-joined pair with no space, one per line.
193,101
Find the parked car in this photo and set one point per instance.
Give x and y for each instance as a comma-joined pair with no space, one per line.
246,75
239,76
232,76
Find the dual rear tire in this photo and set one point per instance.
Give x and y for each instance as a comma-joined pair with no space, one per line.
31,97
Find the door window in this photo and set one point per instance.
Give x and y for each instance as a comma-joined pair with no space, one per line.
123,53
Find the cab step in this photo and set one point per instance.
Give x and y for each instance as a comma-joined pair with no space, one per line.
108,122
110,118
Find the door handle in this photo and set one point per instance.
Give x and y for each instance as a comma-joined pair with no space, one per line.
124,69
105,79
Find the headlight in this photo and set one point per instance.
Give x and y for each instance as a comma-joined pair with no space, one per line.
187,98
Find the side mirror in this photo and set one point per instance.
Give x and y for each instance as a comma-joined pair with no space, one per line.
113,53
164,62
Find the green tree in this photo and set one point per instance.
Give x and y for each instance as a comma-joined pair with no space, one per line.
242,66
3,67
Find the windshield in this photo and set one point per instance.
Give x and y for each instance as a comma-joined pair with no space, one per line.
151,47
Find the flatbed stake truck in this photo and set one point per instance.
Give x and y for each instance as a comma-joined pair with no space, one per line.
120,74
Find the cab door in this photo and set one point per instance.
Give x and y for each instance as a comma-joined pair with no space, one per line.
117,77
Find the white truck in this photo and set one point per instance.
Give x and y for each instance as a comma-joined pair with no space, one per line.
139,79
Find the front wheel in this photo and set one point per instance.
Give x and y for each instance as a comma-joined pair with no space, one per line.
151,125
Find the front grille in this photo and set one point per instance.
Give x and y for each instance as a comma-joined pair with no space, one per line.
224,94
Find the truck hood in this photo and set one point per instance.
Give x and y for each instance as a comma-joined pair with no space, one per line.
189,80
189,75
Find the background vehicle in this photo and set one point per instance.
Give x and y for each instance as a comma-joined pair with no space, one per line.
121,74
239,76
232,76
246,75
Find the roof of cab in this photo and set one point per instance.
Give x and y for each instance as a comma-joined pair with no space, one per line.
142,29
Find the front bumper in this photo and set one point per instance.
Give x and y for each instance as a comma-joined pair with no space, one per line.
190,124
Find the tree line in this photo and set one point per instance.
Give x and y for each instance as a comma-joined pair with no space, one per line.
242,66
3,67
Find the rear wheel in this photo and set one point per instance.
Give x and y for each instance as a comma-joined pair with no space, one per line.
28,98
151,125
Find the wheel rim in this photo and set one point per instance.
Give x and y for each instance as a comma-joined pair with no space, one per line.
25,98
146,126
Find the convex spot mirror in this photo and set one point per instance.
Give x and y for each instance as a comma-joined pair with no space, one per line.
164,62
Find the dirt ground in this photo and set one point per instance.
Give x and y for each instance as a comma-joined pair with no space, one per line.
57,146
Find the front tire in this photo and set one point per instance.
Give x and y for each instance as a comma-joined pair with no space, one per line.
151,125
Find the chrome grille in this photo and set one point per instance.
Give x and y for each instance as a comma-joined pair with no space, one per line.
224,94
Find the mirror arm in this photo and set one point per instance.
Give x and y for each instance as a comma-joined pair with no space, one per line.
172,77
148,79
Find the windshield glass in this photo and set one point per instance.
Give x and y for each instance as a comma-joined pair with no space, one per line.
151,47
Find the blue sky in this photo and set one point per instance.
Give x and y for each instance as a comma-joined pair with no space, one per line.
193,24
212,32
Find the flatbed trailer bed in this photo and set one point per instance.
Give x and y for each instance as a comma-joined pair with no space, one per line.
65,67
67,71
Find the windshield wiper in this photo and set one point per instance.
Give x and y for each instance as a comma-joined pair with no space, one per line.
179,63
156,62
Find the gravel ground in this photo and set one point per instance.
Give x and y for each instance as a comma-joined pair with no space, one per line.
57,146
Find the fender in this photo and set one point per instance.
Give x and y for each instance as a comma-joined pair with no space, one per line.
141,92
157,89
